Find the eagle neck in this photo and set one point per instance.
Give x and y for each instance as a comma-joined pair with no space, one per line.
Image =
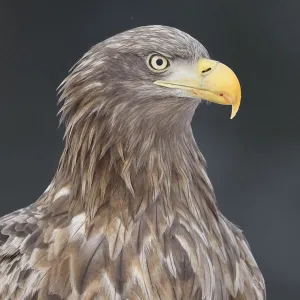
129,172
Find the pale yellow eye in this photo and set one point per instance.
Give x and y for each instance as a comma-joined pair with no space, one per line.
158,62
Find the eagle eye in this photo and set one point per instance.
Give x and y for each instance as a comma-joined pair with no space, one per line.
158,63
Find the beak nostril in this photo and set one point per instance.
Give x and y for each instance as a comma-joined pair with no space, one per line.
206,70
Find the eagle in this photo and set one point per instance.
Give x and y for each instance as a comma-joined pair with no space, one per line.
130,212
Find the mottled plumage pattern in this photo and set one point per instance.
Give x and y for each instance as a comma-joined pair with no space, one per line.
130,213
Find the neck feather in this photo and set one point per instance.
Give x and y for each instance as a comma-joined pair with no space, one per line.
129,170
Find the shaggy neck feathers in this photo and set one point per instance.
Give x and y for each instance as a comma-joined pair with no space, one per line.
129,170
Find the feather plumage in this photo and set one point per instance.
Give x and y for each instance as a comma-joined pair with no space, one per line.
130,213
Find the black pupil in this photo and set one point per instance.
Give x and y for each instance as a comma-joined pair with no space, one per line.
159,62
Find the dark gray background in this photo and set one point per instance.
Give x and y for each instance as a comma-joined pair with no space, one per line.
253,160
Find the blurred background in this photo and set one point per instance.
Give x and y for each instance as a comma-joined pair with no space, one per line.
253,160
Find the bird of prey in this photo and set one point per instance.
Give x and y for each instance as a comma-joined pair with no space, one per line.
131,213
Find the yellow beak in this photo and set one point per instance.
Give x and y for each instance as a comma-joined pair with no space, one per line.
211,81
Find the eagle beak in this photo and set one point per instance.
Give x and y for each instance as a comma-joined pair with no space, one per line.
210,80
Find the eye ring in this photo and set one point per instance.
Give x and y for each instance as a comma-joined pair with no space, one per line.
158,63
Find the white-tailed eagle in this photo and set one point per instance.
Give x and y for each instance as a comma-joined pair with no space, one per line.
130,213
